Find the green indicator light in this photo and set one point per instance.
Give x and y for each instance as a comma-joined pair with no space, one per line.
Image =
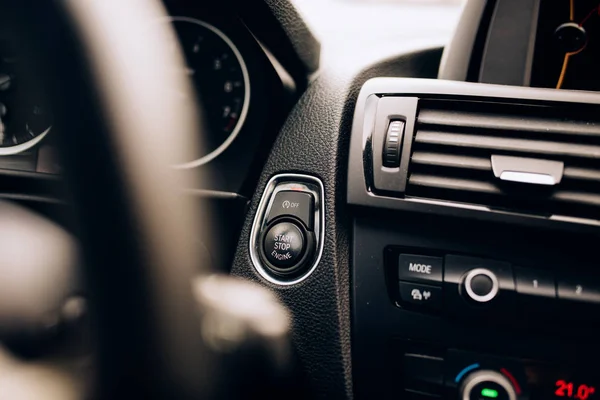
491,393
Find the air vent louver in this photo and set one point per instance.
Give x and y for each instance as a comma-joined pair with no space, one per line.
454,143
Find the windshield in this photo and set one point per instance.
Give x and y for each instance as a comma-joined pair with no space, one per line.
364,23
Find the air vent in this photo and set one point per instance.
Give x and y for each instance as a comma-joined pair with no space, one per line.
516,157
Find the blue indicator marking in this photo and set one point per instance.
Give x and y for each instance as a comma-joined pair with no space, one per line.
464,371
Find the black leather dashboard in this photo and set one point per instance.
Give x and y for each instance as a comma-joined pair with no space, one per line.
315,141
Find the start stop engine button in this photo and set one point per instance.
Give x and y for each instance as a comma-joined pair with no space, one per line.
284,245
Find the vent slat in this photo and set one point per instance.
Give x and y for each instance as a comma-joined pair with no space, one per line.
432,159
590,199
445,182
583,174
450,183
507,144
450,160
539,125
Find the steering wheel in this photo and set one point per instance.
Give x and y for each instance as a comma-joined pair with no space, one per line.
163,326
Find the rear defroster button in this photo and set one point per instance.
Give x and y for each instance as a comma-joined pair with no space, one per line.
284,245
415,294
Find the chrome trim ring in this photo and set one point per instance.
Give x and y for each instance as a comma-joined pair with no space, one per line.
276,184
474,296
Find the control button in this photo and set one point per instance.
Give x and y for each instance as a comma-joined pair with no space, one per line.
578,289
535,282
481,285
413,267
487,385
393,144
284,245
421,295
293,203
499,302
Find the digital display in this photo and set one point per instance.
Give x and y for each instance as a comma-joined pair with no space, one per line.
574,390
547,382
567,45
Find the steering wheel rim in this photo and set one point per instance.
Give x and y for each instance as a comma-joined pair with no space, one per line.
115,107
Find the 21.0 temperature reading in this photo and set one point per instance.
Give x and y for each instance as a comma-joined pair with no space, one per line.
574,391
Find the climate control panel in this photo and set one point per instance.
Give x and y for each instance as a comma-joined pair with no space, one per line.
465,375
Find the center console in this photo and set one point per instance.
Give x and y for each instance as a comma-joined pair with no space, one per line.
443,308
474,247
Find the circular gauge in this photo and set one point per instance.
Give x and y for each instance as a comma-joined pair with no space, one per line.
222,84
24,120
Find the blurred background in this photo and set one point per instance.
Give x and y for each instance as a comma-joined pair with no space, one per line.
373,21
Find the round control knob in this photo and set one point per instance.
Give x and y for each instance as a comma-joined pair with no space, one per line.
284,245
481,285
487,385
571,37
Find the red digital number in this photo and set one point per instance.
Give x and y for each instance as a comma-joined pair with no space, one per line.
584,392
569,389
561,387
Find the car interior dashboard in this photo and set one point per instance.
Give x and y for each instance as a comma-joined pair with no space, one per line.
243,91
429,218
